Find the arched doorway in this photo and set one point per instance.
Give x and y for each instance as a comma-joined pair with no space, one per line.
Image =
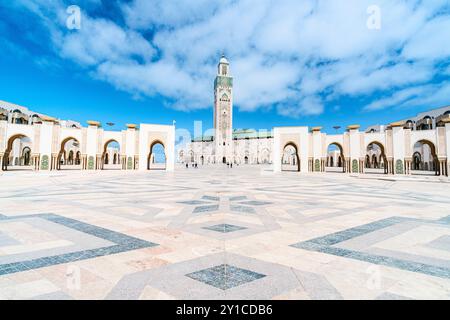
376,160
111,156
157,157
25,159
265,156
78,158
65,161
17,155
181,157
335,156
425,160
70,160
290,160
417,161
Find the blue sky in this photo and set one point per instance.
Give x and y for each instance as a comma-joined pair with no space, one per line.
295,63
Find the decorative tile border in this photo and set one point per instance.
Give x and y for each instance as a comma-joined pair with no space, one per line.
325,245
122,243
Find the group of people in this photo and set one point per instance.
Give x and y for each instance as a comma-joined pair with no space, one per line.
195,165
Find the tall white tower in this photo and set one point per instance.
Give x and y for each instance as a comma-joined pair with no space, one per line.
223,112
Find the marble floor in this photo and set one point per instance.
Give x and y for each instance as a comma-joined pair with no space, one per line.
219,233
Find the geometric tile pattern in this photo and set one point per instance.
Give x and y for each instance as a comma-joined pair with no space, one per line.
327,244
219,276
119,243
361,238
225,277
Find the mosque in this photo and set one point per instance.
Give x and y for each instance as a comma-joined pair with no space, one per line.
34,141
373,149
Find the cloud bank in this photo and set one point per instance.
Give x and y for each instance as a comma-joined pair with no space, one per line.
295,56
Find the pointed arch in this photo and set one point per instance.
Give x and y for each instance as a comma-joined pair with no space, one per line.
152,161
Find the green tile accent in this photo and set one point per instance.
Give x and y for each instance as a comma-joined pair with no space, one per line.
399,167
44,162
355,166
317,165
223,82
91,163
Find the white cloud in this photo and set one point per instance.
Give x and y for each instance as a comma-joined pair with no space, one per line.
101,40
433,95
294,55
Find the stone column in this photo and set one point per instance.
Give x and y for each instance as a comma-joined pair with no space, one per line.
408,166
136,162
361,165
53,162
442,167
84,161
99,162
92,144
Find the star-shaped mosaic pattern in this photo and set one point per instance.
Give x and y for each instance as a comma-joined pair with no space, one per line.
225,276
225,228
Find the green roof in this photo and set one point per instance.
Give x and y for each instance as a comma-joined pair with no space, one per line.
240,134
251,134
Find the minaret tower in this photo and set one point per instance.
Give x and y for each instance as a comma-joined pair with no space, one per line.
223,112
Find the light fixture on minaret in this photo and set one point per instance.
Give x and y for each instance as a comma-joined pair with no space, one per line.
223,111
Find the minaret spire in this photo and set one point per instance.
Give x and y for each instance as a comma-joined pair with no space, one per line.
223,112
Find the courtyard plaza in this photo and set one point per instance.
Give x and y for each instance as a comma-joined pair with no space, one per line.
220,233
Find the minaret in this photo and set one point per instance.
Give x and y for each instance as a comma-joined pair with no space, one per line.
223,112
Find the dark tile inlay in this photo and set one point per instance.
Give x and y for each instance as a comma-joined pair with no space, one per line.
122,243
238,208
193,202
238,198
202,209
225,276
210,198
256,203
325,245
225,228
